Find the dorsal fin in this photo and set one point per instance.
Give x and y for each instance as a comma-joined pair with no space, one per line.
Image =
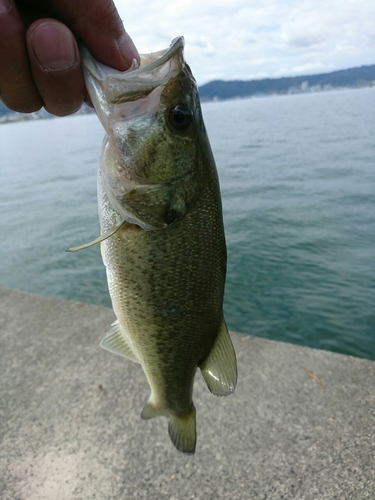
219,369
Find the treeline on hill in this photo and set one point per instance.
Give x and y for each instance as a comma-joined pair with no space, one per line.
354,77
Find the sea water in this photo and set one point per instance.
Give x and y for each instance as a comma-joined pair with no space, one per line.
297,176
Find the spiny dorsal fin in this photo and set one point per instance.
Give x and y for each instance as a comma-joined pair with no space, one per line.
115,341
220,367
97,240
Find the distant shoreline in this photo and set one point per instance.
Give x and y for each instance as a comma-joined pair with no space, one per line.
361,77
283,94
14,117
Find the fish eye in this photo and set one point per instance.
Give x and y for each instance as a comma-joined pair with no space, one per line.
180,116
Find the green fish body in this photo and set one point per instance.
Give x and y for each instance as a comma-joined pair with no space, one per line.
163,240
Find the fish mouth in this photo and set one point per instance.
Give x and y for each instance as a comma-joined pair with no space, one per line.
153,61
139,80
148,62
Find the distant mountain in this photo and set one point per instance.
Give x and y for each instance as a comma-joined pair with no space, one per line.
363,76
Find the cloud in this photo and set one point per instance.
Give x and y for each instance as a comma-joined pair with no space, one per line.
245,39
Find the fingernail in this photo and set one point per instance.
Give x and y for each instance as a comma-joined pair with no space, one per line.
54,47
128,49
4,6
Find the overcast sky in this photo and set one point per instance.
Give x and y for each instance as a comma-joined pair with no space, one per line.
247,39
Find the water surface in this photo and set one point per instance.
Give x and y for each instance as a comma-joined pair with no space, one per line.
298,184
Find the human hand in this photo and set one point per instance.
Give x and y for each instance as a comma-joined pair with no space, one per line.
39,58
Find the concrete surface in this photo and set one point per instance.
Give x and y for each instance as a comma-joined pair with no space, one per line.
70,425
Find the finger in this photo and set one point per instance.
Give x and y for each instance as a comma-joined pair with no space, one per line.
98,24
55,63
17,89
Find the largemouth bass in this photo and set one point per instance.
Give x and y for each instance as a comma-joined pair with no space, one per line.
162,237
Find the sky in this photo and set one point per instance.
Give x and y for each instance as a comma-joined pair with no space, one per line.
251,39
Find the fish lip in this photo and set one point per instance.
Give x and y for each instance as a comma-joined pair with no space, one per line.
176,45
109,87
96,68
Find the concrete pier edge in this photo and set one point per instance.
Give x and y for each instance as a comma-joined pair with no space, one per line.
301,424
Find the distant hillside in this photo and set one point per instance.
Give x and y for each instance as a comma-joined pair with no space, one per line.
347,78
363,76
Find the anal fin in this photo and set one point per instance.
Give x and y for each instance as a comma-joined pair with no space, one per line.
219,369
115,341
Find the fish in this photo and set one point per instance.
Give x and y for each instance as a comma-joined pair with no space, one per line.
162,235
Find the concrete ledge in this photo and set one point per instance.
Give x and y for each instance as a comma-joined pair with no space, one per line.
70,425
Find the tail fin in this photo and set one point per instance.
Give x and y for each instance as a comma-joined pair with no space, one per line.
181,427
182,431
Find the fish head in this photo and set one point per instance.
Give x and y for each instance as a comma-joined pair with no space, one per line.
149,166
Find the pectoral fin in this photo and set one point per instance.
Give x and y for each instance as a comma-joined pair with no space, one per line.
219,369
99,239
115,341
